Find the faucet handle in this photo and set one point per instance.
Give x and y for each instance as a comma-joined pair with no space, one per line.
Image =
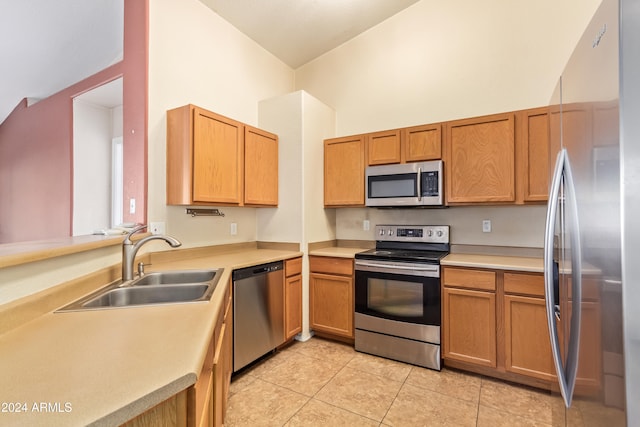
134,231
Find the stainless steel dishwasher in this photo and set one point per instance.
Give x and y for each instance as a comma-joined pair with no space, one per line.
258,312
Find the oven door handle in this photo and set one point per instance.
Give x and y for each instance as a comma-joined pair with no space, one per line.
432,268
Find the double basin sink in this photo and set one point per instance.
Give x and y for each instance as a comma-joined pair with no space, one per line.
177,286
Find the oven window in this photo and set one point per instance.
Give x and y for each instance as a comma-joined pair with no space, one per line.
395,298
401,185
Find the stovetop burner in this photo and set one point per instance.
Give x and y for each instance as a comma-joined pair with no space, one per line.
411,243
403,255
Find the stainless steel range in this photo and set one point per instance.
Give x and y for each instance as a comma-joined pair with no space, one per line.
397,294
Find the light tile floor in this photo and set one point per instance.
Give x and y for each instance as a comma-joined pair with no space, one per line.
324,383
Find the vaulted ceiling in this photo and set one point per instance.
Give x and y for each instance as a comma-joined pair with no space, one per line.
48,45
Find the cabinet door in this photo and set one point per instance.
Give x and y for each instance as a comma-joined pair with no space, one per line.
469,326
293,306
217,158
260,167
481,160
528,349
331,304
344,171
383,148
420,143
589,376
533,171
219,378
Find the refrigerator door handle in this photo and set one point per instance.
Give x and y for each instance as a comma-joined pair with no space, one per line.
571,366
552,209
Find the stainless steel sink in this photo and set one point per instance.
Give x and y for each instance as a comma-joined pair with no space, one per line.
175,277
123,297
179,286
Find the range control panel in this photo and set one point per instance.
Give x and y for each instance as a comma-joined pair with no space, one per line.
413,233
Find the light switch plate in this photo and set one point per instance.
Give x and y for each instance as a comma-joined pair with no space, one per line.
486,226
366,225
234,228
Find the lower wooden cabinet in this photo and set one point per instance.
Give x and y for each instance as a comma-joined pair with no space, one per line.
292,298
469,326
495,323
527,346
208,397
331,302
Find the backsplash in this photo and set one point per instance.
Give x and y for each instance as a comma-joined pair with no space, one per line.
517,226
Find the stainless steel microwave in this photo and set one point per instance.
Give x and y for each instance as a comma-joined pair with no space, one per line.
405,185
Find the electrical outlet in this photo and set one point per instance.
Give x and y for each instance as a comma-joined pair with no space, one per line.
234,228
157,227
132,206
366,225
486,226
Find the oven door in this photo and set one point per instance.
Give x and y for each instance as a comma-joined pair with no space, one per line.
404,292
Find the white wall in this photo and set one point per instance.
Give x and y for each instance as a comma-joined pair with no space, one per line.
196,57
302,123
437,61
442,60
92,133
515,226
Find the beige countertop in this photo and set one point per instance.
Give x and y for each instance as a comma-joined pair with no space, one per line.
338,252
498,262
103,367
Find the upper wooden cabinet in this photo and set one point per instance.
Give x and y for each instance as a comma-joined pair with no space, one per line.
480,160
260,167
414,144
533,155
383,148
344,164
215,160
422,143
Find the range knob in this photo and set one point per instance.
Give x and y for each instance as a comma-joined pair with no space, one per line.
439,233
391,232
381,232
429,232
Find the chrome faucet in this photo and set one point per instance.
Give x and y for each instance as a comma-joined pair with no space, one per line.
129,249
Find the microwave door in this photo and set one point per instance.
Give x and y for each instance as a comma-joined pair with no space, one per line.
391,190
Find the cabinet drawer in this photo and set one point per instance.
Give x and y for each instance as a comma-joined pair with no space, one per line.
467,278
526,284
293,267
342,266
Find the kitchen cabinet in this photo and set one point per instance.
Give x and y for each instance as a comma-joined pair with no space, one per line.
469,316
383,148
344,165
331,304
204,403
527,345
260,167
480,159
412,144
422,143
215,160
170,413
292,297
495,323
533,155
207,398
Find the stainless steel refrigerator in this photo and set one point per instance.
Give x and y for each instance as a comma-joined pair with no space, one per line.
590,278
